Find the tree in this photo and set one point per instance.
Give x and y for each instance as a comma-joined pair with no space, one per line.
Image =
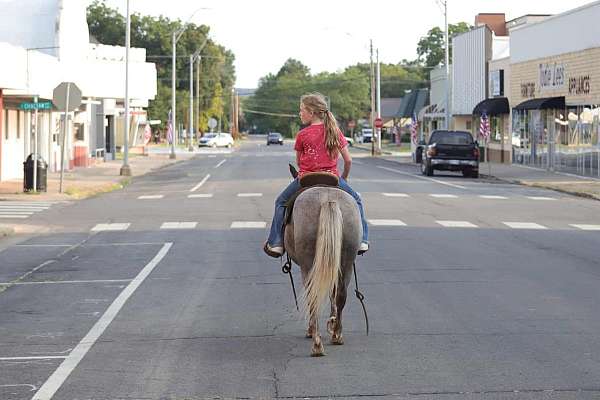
432,46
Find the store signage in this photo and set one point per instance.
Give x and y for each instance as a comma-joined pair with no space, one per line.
528,90
44,105
580,85
551,76
497,82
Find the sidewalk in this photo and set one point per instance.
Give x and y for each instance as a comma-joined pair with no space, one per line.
387,149
535,177
83,182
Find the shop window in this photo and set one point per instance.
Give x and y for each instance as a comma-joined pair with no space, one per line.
79,135
469,125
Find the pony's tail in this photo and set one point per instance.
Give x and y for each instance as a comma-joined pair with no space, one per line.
324,275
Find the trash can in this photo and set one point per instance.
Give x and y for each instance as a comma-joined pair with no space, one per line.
42,174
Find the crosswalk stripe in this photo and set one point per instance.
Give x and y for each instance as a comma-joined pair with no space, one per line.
493,197
111,227
444,196
540,198
386,222
248,225
14,216
151,197
585,227
200,196
178,225
17,212
524,225
249,195
456,224
395,195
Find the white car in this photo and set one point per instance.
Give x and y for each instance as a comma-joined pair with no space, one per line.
220,139
349,140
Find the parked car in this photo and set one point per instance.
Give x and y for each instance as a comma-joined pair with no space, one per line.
274,138
451,151
366,136
219,139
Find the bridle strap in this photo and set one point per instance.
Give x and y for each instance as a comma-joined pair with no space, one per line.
287,269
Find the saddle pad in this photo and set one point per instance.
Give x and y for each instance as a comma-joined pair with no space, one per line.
319,178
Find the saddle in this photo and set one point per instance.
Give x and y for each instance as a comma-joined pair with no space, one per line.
307,181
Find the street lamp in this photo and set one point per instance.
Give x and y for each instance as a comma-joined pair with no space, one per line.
193,57
175,38
125,169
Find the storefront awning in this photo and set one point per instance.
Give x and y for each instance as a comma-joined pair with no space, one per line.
557,103
493,106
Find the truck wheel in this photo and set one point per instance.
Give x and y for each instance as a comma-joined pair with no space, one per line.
475,173
429,170
466,172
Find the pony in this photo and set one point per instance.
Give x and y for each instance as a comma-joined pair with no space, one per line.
323,238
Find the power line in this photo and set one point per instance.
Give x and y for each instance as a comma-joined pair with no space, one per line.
269,113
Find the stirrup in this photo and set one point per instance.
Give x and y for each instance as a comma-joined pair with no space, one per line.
274,252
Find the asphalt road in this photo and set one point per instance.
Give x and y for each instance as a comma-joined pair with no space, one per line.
475,290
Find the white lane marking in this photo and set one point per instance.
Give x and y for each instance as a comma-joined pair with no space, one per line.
51,386
456,224
212,156
248,225
17,211
178,225
386,222
110,227
444,196
493,197
67,282
585,227
9,216
44,245
219,164
151,197
202,182
524,225
24,208
33,388
249,195
357,162
395,194
32,358
540,198
422,177
200,196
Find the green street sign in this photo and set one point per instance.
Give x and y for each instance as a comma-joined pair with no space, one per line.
44,105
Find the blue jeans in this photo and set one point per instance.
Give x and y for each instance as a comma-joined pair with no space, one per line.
276,234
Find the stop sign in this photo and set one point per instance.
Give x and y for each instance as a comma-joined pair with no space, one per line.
378,123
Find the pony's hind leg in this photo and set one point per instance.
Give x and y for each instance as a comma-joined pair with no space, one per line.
336,328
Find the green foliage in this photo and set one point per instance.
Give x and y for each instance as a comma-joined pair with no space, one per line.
348,93
217,71
432,47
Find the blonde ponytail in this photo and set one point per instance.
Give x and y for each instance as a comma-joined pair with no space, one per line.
316,104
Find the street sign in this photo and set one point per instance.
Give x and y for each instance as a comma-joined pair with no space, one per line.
378,123
212,123
44,105
60,100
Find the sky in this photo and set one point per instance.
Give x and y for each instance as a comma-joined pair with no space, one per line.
327,35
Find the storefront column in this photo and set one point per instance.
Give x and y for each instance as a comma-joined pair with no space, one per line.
1,129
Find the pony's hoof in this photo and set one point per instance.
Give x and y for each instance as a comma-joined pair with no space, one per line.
308,335
337,340
316,352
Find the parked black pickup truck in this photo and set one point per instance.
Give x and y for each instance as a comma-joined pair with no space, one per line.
451,151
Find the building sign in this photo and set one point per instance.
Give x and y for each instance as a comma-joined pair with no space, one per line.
551,76
497,83
44,105
528,90
579,85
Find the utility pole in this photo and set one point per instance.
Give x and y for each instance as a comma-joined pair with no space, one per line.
379,130
125,169
445,2
372,102
173,105
232,122
191,124
198,91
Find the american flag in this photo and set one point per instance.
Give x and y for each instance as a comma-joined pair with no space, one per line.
484,126
414,127
170,128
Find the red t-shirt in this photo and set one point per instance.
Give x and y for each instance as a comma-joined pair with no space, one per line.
314,157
